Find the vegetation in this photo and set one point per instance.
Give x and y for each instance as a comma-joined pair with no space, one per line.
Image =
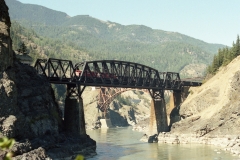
169,55
224,57
64,42
6,144
41,47
22,49
79,157
83,38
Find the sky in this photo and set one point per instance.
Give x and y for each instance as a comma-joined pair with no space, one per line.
213,21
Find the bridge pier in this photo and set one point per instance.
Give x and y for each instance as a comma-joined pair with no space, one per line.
176,99
111,73
74,121
158,114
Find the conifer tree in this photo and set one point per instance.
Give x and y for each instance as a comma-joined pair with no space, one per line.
236,48
23,49
227,57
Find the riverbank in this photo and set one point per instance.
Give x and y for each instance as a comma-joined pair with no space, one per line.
211,113
229,143
62,147
123,143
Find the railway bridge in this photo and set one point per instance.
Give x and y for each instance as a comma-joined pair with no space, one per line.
112,74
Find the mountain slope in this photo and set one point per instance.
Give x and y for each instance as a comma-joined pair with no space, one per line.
42,47
165,51
211,112
35,13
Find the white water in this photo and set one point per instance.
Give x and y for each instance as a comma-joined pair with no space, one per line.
124,144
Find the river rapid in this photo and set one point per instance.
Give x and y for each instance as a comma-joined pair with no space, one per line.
123,144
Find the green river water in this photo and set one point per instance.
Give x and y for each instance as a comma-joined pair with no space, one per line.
124,144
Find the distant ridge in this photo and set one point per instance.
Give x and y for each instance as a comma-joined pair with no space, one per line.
163,50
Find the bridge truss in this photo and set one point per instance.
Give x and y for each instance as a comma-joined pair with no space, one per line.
108,94
109,73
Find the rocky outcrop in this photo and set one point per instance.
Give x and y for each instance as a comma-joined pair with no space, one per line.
6,53
8,91
119,114
35,116
211,113
28,111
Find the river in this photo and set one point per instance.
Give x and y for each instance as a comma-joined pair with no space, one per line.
123,144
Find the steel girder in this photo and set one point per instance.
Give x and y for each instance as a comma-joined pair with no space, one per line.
56,70
108,94
110,73
74,90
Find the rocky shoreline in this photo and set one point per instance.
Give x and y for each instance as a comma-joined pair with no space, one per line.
28,109
61,147
230,143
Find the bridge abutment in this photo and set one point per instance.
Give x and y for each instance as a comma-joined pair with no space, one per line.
158,114
74,121
176,99
158,117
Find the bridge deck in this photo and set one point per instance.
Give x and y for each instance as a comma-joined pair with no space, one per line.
110,73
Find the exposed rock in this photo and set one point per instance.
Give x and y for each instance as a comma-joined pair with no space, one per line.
37,118
6,53
38,153
119,114
153,138
37,103
211,113
8,91
142,126
63,146
28,111
194,70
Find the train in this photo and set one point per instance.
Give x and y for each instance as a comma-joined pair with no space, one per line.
95,74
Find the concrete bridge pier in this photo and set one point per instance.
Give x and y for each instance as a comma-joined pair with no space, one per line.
158,114
176,99
105,120
74,121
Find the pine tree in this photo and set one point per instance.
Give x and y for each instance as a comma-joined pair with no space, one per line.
23,49
237,47
227,58
215,64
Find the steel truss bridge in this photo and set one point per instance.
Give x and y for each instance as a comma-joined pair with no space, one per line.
109,73
108,94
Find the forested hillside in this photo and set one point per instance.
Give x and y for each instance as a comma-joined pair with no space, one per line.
224,57
42,47
165,51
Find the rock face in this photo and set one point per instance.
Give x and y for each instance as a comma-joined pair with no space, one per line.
28,111
8,91
211,113
194,70
119,114
213,107
6,54
36,103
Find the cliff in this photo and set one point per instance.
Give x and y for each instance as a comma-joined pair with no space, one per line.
28,111
211,112
119,114
216,104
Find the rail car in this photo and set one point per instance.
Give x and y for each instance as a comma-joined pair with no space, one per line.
95,75
91,77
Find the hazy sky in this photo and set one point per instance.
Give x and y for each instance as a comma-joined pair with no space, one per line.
213,21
